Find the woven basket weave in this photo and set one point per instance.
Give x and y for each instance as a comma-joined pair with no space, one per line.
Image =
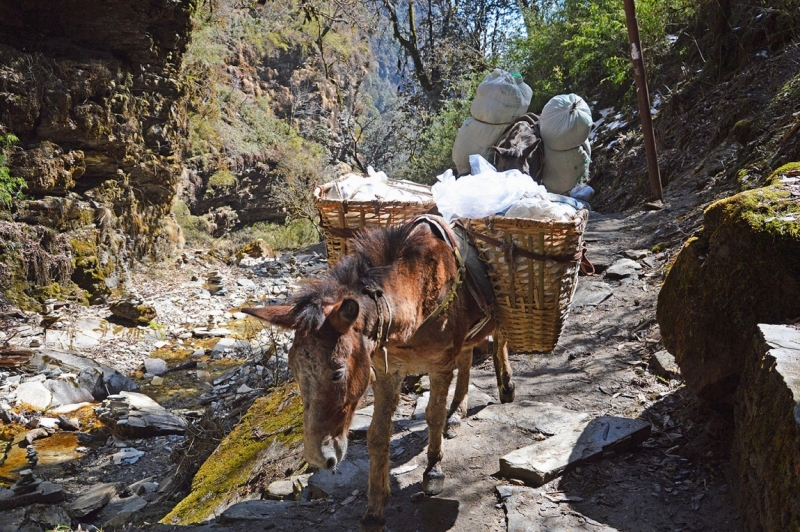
533,295
341,219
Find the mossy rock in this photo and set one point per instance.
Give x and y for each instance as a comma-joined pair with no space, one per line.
243,462
134,311
743,268
256,249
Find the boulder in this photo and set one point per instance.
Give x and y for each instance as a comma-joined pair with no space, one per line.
34,395
134,415
242,463
133,310
766,441
741,269
93,499
67,392
155,366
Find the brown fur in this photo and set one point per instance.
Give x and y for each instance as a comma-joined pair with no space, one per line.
337,327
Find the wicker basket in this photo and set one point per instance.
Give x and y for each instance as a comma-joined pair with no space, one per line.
341,219
533,266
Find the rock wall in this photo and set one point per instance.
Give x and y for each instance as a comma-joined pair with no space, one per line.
91,89
743,268
766,445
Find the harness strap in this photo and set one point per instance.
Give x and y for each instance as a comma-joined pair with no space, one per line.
376,293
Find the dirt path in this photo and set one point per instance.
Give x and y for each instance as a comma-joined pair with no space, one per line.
674,481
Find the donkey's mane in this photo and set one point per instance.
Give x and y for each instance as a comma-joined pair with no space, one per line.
376,251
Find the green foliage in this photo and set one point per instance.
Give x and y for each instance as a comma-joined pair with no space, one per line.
197,230
431,150
582,47
10,187
221,180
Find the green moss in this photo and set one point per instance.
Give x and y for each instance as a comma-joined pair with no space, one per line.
774,177
742,269
225,474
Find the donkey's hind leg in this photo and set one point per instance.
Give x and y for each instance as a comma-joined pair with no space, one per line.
502,368
458,407
435,414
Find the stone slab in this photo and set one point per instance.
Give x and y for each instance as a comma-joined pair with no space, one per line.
543,461
258,511
623,268
93,499
591,293
535,417
46,492
361,420
67,392
352,473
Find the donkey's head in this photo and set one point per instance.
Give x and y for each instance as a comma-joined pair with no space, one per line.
330,358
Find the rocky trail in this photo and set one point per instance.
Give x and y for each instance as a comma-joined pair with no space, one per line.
602,434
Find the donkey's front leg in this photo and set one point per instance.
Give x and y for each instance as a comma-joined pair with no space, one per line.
435,414
458,407
387,393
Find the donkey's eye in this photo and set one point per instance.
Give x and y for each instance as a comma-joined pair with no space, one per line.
337,375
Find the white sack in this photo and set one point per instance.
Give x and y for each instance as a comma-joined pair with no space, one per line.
565,122
501,98
563,170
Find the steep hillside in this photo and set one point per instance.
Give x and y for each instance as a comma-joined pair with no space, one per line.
91,90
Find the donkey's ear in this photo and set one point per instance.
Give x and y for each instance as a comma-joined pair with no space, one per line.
280,315
344,313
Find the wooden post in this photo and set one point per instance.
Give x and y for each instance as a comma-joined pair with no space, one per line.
643,96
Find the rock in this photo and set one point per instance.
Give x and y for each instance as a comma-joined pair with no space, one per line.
351,474
34,395
244,389
120,511
134,415
35,518
636,254
116,383
157,381
256,250
767,431
48,423
36,434
361,420
227,343
591,293
218,484
622,269
421,405
663,364
68,424
133,310
45,493
262,511
92,380
738,271
140,487
93,499
280,490
67,392
531,416
246,283
545,460
156,366
128,455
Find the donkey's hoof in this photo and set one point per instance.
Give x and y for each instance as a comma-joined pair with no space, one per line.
433,482
507,393
370,523
452,427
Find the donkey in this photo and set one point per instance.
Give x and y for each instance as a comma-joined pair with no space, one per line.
398,306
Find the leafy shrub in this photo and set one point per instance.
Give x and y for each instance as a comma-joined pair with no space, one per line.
582,47
10,187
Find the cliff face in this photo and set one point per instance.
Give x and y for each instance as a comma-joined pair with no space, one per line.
91,89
